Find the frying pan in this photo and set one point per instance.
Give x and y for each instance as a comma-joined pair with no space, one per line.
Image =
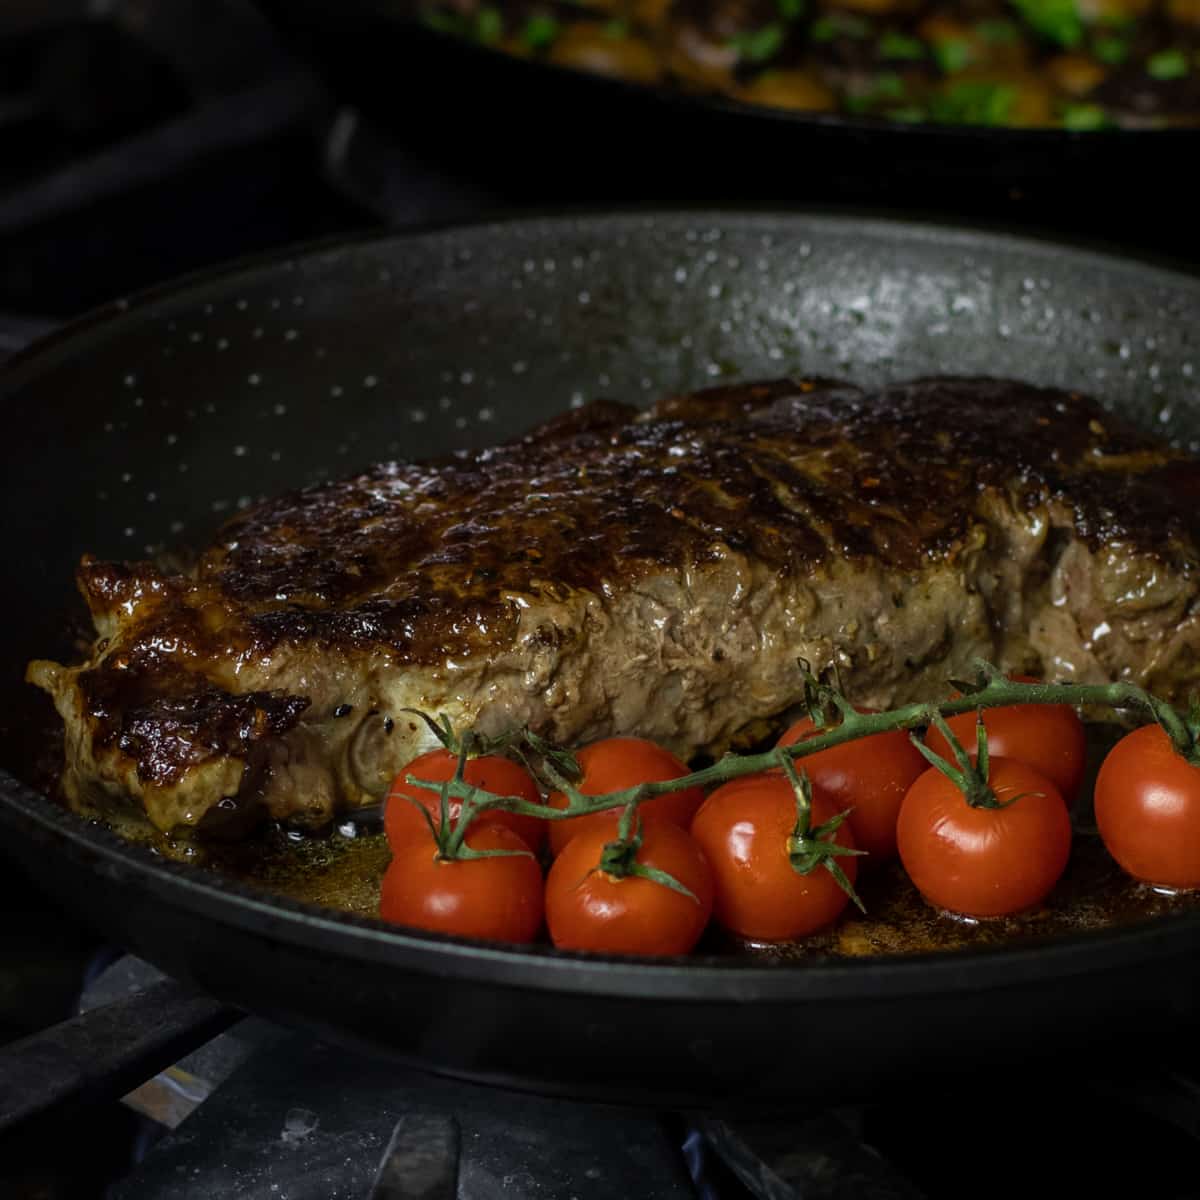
543,134
150,421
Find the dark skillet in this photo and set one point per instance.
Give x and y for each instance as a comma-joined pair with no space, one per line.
146,423
536,134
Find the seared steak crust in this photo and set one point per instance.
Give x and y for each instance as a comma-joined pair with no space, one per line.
615,571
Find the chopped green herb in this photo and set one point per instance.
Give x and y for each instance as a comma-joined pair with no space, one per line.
972,102
489,25
893,45
444,22
885,86
1111,50
888,87
910,113
1085,116
825,29
616,29
791,10
1057,20
757,45
952,55
540,30
998,32
1168,64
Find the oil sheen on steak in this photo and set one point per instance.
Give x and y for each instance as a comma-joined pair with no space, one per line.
615,572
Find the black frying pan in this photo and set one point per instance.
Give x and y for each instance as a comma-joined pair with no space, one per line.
539,134
147,423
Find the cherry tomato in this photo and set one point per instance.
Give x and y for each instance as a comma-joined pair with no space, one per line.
869,777
618,763
743,829
403,822
985,862
498,898
1148,809
587,909
1049,737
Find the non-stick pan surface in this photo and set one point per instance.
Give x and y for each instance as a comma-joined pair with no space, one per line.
149,423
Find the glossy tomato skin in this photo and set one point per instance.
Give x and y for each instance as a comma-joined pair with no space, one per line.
983,862
1148,809
1048,737
870,777
403,822
743,829
617,763
589,910
496,898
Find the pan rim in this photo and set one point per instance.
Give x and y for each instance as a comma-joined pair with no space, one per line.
704,981
865,221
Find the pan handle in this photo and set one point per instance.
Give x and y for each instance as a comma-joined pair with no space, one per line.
102,1054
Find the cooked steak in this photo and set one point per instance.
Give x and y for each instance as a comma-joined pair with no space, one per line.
617,572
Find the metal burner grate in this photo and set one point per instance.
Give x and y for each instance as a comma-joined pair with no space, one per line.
260,1111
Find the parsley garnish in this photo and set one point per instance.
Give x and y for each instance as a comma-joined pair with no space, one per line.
998,32
444,22
1167,64
1111,50
971,102
952,55
825,29
489,25
1057,20
540,30
1085,116
893,45
885,86
757,45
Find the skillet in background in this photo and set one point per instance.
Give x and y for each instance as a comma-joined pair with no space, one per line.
542,135
148,423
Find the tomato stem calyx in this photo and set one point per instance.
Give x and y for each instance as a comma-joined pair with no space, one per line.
619,860
971,778
810,848
476,744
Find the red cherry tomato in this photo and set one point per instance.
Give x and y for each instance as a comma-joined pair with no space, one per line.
587,909
743,829
403,822
497,898
1048,737
985,862
1148,809
870,777
613,765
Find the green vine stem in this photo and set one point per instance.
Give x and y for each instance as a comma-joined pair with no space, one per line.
989,690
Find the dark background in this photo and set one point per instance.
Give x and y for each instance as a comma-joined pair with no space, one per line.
164,136
167,135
